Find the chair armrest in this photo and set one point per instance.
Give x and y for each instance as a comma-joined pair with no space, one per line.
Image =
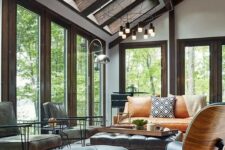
174,146
16,126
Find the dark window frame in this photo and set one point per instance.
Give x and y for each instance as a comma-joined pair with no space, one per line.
9,49
215,85
164,62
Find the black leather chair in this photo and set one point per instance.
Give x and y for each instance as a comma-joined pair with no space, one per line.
206,131
15,136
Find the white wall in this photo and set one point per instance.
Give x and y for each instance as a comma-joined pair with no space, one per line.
200,18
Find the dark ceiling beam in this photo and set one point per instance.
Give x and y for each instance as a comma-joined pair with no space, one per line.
168,4
145,22
121,13
96,5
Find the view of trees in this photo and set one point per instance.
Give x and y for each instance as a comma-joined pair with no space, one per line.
97,87
143,69
223,71
82,74
197,73
27,64
58,63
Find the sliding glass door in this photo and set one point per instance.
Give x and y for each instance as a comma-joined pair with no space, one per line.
27,67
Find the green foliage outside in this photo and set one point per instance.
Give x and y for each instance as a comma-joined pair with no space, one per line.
82,72
27,58
97,85
197,73
143,69
58,63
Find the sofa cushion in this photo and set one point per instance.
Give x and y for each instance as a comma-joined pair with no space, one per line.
180,110
36,142
7,117
163,107
139,106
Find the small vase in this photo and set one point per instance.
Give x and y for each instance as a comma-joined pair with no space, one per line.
139,127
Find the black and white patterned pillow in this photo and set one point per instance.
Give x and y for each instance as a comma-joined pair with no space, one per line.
163,107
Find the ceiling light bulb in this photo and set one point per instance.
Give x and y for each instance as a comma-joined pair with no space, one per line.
140,29
153,33
146,34
150,30
127,29
134,37
121,31
124,36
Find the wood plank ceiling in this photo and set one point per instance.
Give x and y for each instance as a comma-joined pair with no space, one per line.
109,15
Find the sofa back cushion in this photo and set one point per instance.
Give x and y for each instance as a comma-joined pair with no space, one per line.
7,117
139,106
180,108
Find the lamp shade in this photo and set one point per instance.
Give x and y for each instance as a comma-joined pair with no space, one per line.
102,59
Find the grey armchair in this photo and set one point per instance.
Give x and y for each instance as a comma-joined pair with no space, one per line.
206,131
15,136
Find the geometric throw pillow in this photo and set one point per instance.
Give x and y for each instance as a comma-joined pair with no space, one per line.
163,107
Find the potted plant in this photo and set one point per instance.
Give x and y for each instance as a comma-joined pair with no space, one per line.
139,123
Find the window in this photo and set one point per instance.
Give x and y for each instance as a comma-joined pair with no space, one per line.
97,89
82,75
197,73
0,48
28,52
223,72
58,64
143,70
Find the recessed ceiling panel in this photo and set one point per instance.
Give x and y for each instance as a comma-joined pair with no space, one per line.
83,4
111,9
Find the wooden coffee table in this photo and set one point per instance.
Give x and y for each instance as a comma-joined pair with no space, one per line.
156,133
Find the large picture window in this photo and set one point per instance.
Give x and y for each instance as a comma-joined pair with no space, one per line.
197,72
82,76
143,68
27,68
58,64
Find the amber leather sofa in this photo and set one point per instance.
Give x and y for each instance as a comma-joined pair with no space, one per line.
140,108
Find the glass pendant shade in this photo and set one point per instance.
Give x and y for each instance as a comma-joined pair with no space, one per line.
127,29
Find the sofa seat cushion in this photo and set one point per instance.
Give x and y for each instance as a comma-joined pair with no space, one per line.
36,142
172,123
